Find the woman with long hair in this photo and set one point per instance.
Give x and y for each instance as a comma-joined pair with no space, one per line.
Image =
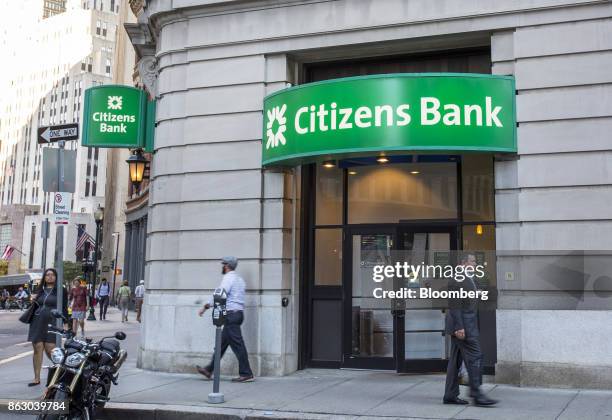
46,300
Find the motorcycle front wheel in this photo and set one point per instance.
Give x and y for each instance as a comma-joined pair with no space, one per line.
75,413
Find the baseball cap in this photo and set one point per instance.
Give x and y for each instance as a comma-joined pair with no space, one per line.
230,261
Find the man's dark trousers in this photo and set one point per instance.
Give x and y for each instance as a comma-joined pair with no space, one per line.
103,306
232,336
467,350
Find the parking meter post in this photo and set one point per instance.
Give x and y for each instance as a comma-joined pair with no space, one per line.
218,316
217,364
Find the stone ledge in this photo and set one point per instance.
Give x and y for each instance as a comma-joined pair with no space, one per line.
557,375
185,362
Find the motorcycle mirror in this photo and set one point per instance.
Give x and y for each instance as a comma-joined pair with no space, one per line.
120,335
56,314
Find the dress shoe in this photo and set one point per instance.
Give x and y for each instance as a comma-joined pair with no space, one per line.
483,401
244,379
204,371
457,401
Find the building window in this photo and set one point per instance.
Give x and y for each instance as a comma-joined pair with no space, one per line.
98,27
104,29
6,231
108,67
112,5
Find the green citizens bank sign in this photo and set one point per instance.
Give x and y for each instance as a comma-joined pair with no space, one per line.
114,116
415,112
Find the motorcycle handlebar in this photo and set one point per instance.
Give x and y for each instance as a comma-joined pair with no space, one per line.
54,330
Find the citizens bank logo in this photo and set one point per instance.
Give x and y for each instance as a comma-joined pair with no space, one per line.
115,102
276,126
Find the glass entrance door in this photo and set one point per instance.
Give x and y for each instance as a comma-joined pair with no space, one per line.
368,322
395,334
421,342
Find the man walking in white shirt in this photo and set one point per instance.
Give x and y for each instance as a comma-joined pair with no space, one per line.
139,295
234,286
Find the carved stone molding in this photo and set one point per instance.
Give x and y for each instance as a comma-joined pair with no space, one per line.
137,6
148,70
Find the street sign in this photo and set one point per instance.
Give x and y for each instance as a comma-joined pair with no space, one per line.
51,179
61,208
53,133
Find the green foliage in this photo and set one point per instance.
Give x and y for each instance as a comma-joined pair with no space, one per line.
3,268
71,270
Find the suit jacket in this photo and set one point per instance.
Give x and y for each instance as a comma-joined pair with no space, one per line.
462,313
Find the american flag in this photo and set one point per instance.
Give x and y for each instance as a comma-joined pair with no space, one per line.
82,238
8,252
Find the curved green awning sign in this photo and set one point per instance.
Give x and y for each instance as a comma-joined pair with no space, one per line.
387,113
114,116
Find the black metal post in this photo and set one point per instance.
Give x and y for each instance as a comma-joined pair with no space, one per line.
92,316
216,397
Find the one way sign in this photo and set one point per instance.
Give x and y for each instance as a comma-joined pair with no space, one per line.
58,132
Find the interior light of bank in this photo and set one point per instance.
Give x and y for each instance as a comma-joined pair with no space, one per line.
478,229
415,172
329,164
352,172
382,159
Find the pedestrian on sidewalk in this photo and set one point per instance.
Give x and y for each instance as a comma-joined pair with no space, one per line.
124,294
21,296
462,325
4,298
38,334
235,287
78,303
139,294
103,296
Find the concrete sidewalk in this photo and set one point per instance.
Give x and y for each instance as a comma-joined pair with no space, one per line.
331,394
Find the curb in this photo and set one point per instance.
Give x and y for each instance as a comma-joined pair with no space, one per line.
138,411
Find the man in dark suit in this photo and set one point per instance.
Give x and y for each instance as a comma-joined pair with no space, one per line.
462,326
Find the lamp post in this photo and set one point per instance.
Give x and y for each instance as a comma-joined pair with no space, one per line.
116,235
98,217
137,163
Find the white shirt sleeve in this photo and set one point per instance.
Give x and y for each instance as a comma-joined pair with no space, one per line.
226,283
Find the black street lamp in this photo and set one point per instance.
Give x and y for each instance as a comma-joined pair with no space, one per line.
99,218
137,163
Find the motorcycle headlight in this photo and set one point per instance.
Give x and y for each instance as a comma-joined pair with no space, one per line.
57,355
74,360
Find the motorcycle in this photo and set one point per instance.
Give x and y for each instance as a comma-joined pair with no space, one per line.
82,373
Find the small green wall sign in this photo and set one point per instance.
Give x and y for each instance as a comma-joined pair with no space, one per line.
397,112
114,116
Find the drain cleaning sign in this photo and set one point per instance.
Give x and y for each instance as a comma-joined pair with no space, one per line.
114,116
399,112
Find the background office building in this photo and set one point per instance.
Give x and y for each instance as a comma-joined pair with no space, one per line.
56,50
304,227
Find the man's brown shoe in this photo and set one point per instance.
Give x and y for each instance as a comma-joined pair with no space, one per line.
244,379
204,371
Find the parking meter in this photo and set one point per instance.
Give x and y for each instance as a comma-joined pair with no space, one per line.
219,311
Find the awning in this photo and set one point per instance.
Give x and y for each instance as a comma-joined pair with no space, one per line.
387,114
17,279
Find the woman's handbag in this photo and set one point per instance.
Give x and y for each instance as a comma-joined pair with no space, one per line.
28,315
